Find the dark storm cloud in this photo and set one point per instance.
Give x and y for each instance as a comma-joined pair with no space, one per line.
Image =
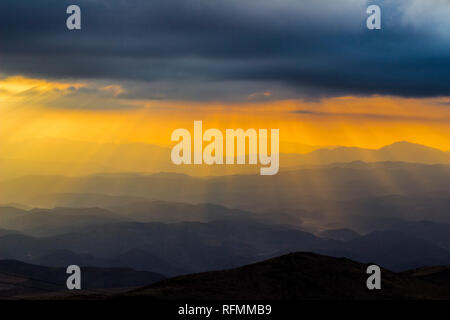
229,49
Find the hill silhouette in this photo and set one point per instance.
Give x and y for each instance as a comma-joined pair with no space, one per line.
295,276
300,276
18,278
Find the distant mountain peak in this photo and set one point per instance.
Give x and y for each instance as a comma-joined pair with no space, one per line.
409,145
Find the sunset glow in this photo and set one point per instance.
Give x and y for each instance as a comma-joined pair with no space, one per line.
36,109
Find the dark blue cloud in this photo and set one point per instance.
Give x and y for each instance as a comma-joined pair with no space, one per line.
217,49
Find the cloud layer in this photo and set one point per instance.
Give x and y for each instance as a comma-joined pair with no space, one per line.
233,50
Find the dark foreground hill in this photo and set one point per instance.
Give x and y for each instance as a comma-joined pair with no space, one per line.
300,276
23,279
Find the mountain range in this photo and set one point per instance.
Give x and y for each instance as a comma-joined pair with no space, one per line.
187,247
329,197
388,206
63,157
402,151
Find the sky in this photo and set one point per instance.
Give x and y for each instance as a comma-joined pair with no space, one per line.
137,70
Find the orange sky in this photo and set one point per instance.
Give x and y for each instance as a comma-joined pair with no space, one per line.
33,108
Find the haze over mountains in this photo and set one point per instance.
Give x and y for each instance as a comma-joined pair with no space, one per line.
354,195
388,206
187,247
63,157
397,152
